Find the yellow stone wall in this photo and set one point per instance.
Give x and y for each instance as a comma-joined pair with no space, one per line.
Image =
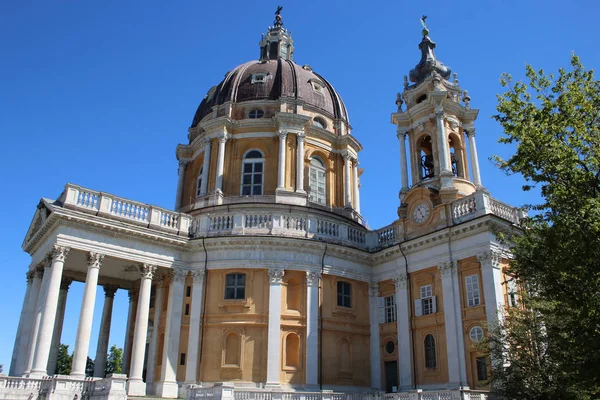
387,331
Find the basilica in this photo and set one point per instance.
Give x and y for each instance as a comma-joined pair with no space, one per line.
264,281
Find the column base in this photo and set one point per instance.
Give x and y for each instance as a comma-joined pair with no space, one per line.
168,390
272,385
35,374
136,387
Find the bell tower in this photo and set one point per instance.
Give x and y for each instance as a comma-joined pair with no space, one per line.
438,126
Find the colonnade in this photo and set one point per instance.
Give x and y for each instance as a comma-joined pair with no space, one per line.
351,181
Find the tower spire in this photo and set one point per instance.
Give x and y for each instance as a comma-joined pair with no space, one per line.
428,64
278,42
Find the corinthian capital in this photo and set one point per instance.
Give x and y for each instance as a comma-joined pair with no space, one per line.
282,135
147,270
373,289
276,275
223,138
94,259
446,268
491,258
312,278
401,281
300,136
59,253
198,276
178,275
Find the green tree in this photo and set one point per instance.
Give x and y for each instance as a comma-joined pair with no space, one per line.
64,360
551,344
114,360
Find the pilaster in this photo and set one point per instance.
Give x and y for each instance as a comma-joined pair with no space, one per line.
403,327
312,328
274,330
375,345
191,370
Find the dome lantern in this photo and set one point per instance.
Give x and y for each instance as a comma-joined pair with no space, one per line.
278,42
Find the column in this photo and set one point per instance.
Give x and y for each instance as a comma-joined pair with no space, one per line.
103,336
167,386
491,276
281,166
220,162
32,323
356,194
401,135
151,359
300,136
86,315
132,293
58,325
274,331
205,166
312,328
48,314
180,175
474,159
403,326
443,148
191,370
135,384
453,324
347,186
22,318
374,341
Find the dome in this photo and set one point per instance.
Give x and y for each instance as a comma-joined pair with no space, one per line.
274,80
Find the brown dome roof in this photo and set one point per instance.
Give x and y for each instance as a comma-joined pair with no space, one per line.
284,79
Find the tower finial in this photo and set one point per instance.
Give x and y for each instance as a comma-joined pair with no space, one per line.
428,63
278,22
425,30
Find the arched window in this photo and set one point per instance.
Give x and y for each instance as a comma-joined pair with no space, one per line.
232,349
430,361
457,157
292,351
199,183
252,173
320,122
316,181
425,155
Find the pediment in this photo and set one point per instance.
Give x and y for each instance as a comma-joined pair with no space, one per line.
39,218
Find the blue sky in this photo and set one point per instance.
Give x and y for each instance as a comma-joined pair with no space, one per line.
100,93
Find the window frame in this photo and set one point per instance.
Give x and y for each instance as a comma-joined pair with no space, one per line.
473,291
481,369
320,171
319,123
237,287
259,77
389,305
344,297
253,174
199,182
427,300
256,113
476,334
430,352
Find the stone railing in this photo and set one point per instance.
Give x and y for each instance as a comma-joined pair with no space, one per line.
113,207
61,387
228,391
481,203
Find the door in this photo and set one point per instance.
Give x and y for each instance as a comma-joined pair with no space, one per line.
391,376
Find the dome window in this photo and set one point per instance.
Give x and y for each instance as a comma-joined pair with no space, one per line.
259,78
421,98
317,181
320,123
256,113
317,86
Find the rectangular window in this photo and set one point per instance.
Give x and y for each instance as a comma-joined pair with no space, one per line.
182,359
344,294
482,373
188,291
427,306
235,286
472,285
390,308
187,309
511,290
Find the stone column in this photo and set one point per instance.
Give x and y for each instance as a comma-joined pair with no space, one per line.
300,136
86,316
474,159
180,175
312,328
355,186
403,306
401,135
151,359
132,293
167,386
220,163
347,185
281,166
42,346
103,336
443,147
191,370
20,328
491,276
135,385
455,347
274,330
205,166
58,325
375,345
27,346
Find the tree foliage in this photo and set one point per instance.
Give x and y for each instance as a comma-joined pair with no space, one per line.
64,360
114,360
552,343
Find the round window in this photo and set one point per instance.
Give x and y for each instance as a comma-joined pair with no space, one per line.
256,113
320,123
476,334
390,347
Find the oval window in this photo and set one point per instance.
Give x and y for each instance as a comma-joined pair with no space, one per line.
476,334
256,113
390,347
320,123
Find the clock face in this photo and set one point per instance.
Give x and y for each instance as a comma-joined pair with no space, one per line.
421,213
